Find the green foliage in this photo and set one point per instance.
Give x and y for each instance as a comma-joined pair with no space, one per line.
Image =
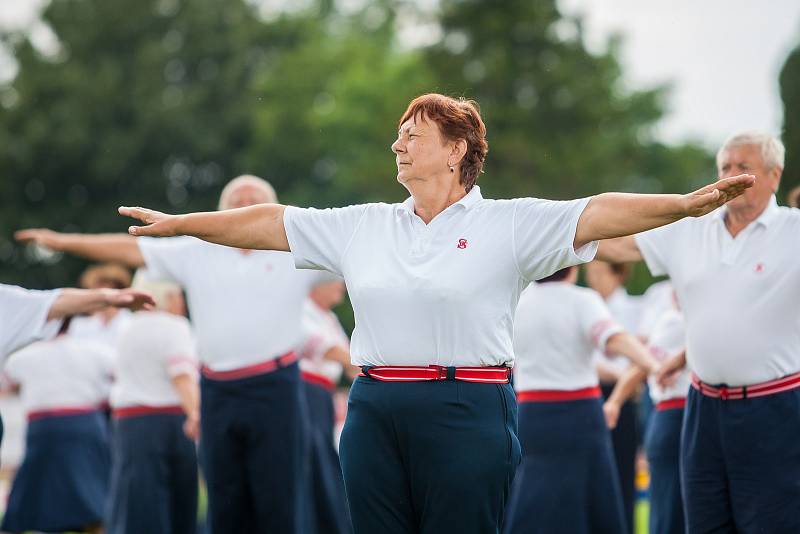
790,93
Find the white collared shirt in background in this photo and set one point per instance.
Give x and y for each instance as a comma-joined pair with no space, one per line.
655,302
557,327
23,317
442,293
667,339
154,348
739,296
626,309
95,328
62,373
322,332
246,306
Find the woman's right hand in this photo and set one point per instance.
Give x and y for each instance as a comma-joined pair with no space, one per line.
40,236
157,224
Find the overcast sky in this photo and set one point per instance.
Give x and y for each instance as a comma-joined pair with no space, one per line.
722,57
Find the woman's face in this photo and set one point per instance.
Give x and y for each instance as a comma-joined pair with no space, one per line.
601,278
421,151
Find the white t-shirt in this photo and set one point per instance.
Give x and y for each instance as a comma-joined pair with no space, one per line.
93,327
556,328
442,293
153,349
322,331
626,309
656,300
62,373
246,306
23,317
739,296
668,338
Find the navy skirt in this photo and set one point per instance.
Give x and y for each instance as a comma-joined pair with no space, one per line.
62,484
568,481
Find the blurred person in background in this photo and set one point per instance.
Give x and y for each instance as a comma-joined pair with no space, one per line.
156,410
246,307
793,197
609,279
62,484
104,325
430,444
324,355
737,277
667,343
568,463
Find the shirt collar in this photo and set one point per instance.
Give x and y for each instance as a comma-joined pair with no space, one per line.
467,201
766,217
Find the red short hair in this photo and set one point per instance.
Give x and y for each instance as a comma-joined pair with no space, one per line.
457,118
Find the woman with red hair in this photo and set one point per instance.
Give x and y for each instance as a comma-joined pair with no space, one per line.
430,441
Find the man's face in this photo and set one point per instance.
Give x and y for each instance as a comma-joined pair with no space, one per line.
247,195
747,159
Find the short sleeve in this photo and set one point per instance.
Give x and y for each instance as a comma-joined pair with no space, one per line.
655,248
543,235
167,258
179,348
23,317
597,322
318,238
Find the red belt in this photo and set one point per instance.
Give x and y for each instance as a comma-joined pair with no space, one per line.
137,411
743,392
558,395
314,378
251,370
487,375
671,404
61,412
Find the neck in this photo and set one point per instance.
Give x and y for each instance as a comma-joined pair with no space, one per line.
320,302
737,218
432,199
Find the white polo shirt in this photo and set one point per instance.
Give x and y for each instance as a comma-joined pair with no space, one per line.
64,373
322,331
626,309
739,296
23,317
246,306
556,328
655,301
93,327
667,339
154,348
442,293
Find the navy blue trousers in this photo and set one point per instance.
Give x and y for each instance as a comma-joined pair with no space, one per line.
663,445
330,511
568,481
625,441
254,446
153,477
62,484
740,464
429,457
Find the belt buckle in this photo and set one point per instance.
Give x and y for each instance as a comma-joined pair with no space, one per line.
723,393
441,372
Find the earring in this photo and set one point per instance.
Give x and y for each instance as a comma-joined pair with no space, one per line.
452,169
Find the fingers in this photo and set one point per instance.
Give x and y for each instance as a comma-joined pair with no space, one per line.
29,234
142,214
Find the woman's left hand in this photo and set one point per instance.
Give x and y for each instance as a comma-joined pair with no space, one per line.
157,224
707,199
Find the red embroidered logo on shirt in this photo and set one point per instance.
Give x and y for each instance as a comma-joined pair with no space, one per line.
462,243
759,268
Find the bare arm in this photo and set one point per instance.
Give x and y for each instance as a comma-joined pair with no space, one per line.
627,345
611,215
253,227
667,373
98,247
625,387
341,355
189,393
85,301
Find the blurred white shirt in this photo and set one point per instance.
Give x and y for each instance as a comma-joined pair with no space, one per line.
322,331
668,338
23,317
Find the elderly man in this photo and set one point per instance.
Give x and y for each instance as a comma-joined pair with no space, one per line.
737,275
246,307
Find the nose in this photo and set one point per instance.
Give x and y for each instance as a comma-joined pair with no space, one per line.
397,146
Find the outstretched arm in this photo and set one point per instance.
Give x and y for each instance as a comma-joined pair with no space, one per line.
85,301
98,247
611,215
254,227
626,345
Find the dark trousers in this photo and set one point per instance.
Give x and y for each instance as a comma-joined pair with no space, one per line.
330,511
625,440
568,481
740,462
153,477
429,457
663,444
254,448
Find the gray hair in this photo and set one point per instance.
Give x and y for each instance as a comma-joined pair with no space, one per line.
246,179
772,150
